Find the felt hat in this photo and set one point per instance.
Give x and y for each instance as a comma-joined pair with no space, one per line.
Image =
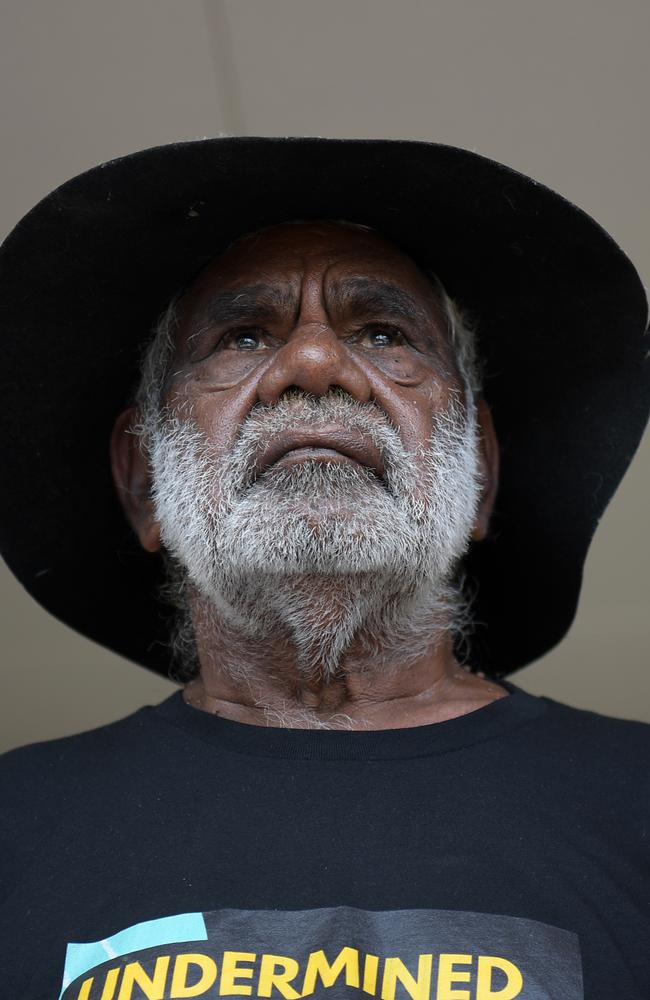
561,319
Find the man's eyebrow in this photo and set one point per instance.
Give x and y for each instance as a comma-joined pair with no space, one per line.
360,296
259,302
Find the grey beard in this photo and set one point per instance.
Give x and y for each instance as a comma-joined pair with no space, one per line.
325,554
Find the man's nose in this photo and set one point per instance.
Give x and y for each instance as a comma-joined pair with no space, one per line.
314,359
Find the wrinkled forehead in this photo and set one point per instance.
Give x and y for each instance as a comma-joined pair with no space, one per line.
327,250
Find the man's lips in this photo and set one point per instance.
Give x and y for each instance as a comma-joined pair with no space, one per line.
323,442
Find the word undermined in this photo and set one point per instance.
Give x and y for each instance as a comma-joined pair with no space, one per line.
457,977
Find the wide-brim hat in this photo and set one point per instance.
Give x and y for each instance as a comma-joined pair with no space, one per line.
561,317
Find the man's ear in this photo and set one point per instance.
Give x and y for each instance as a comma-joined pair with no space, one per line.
133,481
489,455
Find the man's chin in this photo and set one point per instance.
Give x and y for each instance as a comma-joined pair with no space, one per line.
320,481
315,542
320,513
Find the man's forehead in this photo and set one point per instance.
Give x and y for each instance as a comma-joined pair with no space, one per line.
279,255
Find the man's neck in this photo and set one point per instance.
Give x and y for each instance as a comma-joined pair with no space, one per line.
264,684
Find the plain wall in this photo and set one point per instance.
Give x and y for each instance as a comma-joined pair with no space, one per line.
558,90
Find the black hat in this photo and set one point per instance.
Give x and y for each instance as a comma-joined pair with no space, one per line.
561,317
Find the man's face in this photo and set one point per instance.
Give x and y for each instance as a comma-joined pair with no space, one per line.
311,307
316,427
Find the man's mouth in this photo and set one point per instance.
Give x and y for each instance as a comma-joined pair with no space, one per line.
326,443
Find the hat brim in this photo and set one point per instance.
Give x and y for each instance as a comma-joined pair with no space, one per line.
561,317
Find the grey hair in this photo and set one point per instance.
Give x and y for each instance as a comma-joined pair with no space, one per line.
462,335
155,377
154,371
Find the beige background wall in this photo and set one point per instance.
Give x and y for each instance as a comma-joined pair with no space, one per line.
558,90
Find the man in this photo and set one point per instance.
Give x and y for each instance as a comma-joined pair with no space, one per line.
345,797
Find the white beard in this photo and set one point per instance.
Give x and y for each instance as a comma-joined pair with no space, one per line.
322,553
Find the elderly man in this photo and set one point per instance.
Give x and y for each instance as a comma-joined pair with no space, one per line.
345,798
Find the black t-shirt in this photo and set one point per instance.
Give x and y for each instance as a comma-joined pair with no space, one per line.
500,855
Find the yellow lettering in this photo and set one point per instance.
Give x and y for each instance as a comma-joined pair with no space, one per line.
317,965
394,970
270,977
109,986
484,989
153,988
448,975
370,968
231,968
208,974
86,987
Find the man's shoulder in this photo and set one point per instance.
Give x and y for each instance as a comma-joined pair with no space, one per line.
588,727
43,783
66,758
609,755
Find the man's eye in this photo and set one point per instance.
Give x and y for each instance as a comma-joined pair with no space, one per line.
247,339
378,335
